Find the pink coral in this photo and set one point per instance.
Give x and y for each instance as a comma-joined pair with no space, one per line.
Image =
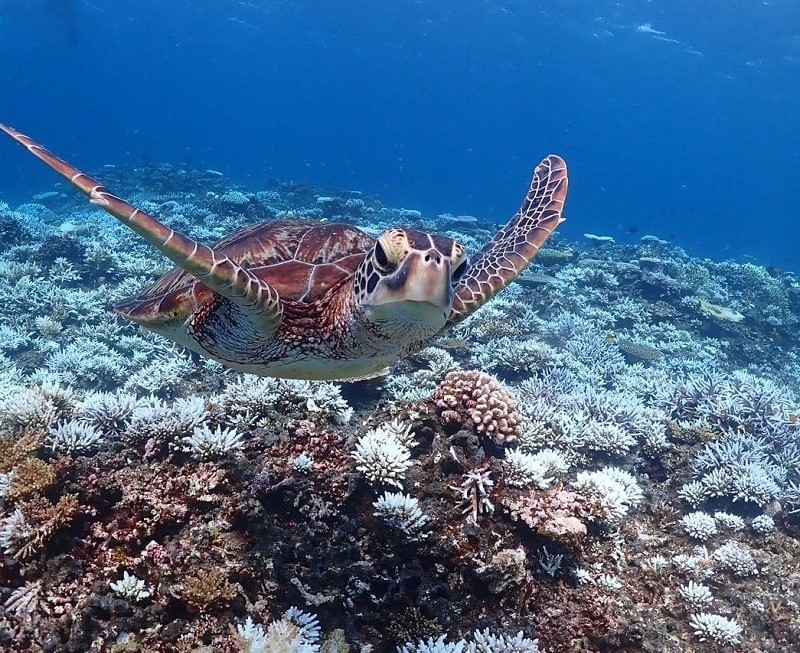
472,397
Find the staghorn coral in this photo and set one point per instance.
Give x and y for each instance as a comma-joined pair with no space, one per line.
473,493
108,412
154,419
533,469
74,437
615,490
35,410
696,595
736,558
482,641
763,524
478,399
205,444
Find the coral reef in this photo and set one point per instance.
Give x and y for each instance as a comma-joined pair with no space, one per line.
606,458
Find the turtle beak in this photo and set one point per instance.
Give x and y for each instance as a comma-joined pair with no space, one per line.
423,277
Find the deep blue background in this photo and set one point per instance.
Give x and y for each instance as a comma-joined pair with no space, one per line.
439,105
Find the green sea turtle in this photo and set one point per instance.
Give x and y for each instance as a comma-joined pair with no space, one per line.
307,300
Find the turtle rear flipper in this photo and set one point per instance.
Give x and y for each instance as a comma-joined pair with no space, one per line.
506,255
257,300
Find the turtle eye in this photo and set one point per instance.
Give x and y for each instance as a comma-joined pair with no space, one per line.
381,259
459,271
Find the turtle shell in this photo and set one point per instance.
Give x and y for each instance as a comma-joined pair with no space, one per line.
301,259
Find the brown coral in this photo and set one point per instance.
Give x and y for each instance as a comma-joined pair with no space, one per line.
14,450
479,399
208,590
31,476
43,519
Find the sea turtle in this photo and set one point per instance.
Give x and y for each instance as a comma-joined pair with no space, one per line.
307,300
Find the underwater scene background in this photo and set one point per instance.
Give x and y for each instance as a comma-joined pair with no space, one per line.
605,457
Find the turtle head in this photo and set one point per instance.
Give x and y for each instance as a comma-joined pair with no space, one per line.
407,280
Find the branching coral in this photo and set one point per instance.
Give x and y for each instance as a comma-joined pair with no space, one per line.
130,587
615,490
714,627
208,444
295,632
383,454
33,523
482,641
402,512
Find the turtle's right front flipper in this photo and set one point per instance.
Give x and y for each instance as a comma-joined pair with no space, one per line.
257,299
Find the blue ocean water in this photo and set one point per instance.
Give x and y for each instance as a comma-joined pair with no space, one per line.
677,118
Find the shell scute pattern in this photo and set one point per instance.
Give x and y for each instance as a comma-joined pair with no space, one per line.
302,260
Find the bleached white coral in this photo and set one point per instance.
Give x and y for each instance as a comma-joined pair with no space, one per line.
402,512
34,409
473,493
699,525
698,563
729,521
107,411
324,397
257,397
73,437
736,558
483,641
693,493
697,595
153,418
487,642
295,632
608,437
5,482
609,582
550,563
302,463
655,564
165,374
12,337
25,600
382,457
715,627
205,444
616,490
250,394
525,469
763,524
15,532
403,431
130,587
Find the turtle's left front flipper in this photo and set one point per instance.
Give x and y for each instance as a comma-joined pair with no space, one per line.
506,255
257,299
